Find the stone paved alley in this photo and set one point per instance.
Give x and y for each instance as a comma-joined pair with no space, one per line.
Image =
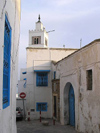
37,127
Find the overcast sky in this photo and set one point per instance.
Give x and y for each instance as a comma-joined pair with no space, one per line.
71,20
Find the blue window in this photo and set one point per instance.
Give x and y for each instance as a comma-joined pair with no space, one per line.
24,72
41,79
25,82
41,106
6,64
54,74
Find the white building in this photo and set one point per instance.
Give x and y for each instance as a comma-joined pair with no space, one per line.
9,41
35,81
79,75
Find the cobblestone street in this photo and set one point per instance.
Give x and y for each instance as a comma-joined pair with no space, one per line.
37,127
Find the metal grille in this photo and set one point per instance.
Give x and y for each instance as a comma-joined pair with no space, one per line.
42,79
6,63
41,106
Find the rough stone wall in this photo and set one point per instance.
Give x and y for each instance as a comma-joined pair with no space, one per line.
73,70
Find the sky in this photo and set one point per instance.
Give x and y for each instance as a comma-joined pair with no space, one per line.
72,20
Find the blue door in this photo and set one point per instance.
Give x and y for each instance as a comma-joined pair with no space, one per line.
71,107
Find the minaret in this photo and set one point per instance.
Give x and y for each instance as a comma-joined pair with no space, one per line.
39,18
38,37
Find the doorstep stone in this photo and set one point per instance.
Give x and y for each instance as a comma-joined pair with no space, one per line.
45,123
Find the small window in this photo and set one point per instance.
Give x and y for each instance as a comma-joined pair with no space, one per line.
25,79
24,72
42,79
41,106
36,40
89,79
45,41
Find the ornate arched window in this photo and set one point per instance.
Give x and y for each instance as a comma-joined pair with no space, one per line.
34,40
37,40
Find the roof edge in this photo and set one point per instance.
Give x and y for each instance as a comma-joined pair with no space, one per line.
91,43
53,48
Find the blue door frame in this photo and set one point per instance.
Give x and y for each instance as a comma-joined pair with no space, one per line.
71,107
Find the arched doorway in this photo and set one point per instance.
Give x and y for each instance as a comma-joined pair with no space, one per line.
69,105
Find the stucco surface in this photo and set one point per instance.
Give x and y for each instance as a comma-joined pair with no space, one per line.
8,115
73,70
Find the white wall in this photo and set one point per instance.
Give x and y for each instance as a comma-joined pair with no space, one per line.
8,115
73,70
41,59
46,54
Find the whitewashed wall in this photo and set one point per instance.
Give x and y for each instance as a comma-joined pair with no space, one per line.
41,59
8,115
73,70
46,54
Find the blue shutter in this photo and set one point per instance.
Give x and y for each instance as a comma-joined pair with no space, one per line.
24,72
41,106
25,82
42,79
54,74
46,79
6,64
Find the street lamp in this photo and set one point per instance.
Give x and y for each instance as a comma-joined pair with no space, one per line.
50,31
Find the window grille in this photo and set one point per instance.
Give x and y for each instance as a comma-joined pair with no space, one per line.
24,72
42,79
6,64
41,106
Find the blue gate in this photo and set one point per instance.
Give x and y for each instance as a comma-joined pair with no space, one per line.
71,107
6,64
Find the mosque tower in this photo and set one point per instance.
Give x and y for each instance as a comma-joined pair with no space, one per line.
39,36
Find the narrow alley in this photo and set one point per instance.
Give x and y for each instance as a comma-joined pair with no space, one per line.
37,127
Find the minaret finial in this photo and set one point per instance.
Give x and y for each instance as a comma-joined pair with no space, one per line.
39,18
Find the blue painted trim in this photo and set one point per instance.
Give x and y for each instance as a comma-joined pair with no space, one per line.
41,103
41,70
9,61
42,80
71,106
24,72
54,74
36,79
6,19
